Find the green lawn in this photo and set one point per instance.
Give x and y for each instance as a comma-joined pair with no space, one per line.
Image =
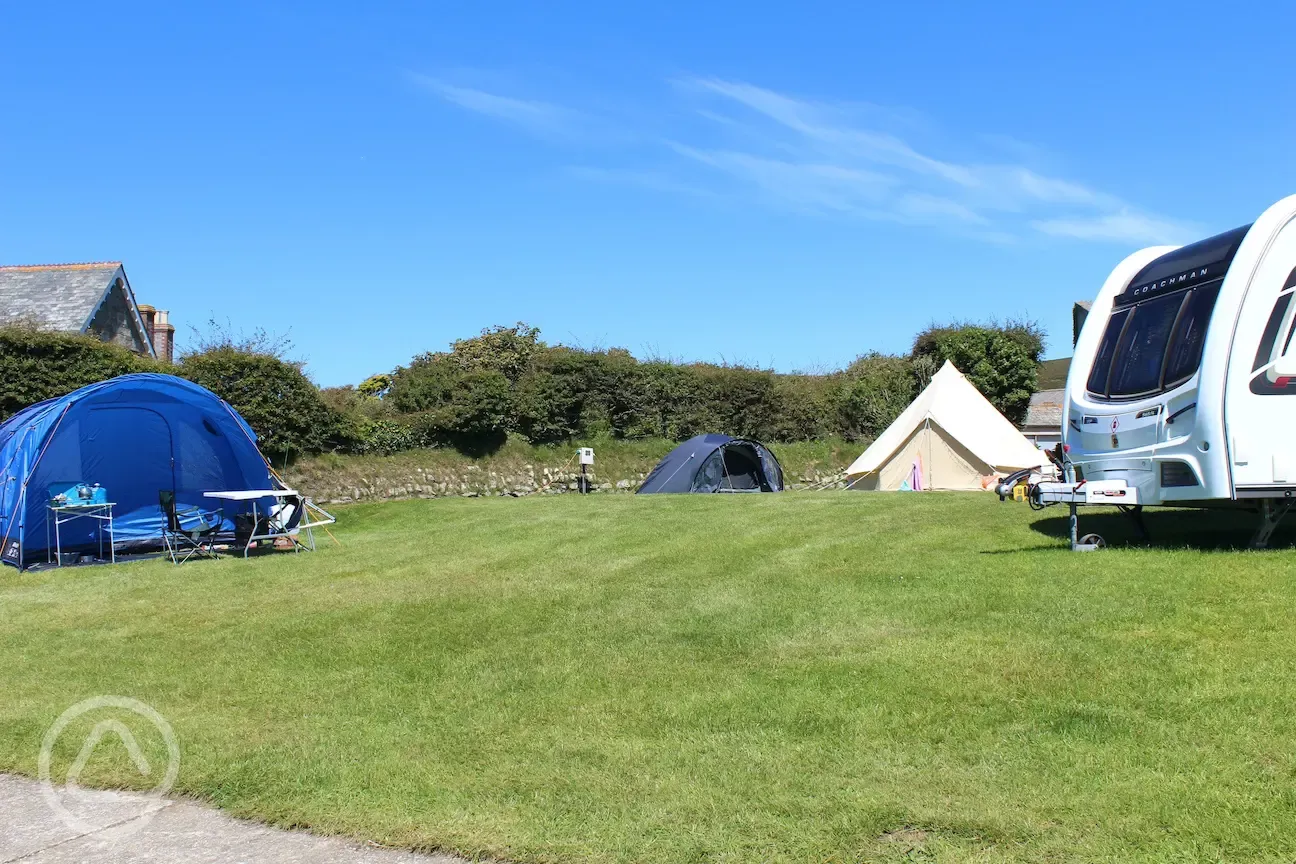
797,677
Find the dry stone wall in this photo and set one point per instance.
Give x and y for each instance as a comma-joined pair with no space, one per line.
473,481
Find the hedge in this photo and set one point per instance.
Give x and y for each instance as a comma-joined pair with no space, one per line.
282,405
279,402
507,381
36,365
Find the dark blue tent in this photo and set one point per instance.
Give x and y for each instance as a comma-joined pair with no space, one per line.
135,435
716,463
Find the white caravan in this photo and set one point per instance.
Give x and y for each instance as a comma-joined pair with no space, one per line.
1182,389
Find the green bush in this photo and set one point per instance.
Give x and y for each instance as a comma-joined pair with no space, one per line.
463,405
570,393
615,400
36,365
997,363
670,401
506,350
874,390
473,417
355,402
1027,334
275,397
376,385
384,437
423,385
552,396
742,402
806,407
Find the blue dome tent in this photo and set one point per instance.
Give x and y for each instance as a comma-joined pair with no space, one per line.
135,435
716,463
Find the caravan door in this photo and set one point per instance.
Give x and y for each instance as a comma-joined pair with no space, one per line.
1260,394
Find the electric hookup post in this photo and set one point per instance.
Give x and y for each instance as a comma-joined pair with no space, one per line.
586,455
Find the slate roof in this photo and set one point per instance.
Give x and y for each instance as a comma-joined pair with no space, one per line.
1045,410
61,296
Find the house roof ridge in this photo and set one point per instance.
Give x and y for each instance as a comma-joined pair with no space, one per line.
79,265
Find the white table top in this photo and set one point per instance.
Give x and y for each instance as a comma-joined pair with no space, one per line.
249,494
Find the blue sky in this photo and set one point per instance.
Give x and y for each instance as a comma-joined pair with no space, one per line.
788,185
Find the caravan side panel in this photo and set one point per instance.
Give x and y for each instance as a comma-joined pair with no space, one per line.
1259,403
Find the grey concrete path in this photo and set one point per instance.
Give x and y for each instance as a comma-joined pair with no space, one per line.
124,828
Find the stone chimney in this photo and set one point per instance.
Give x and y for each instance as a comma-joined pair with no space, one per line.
161,332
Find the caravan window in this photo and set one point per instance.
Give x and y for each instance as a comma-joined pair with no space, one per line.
1153,345
1190,335
1273,345
1103,359
1141,352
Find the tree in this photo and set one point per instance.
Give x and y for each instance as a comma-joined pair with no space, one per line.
376,385
996,363
1028,334
507,350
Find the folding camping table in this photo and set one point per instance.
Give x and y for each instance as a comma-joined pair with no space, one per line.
273,531
61,514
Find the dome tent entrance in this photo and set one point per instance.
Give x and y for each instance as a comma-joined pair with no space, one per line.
135,435
950,437
716,463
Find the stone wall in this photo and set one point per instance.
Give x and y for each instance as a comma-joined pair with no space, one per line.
473,481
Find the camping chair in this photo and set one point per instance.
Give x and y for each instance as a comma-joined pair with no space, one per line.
284,518
287,515
184,543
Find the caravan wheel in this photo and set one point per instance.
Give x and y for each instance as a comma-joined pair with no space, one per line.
1093,540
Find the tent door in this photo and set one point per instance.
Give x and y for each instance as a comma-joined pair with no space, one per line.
112,433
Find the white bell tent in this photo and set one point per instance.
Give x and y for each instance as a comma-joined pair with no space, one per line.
950,437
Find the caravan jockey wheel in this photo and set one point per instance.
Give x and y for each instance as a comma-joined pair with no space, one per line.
1093,540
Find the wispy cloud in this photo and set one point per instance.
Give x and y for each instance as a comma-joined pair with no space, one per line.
834,157
543,119
1122,227
815,122
825,154
808,184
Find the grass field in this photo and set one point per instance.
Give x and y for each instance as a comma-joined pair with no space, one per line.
804,677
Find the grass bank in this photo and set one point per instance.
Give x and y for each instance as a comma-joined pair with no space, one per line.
804,677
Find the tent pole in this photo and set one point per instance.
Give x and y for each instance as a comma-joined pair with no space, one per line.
681,465
927,481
